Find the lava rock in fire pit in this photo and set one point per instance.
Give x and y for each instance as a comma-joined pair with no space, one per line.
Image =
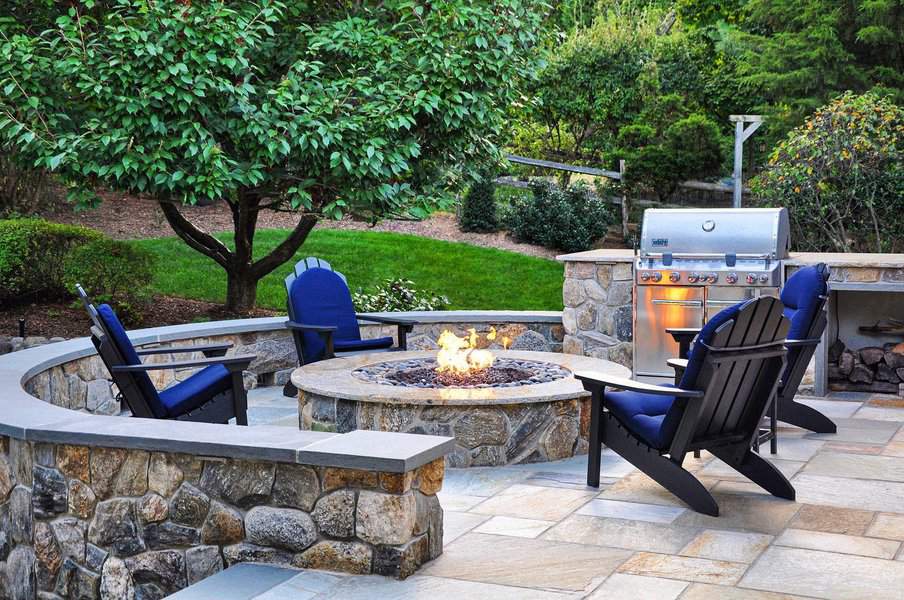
422,373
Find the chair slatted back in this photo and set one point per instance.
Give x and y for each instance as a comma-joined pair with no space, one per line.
129,388
739,373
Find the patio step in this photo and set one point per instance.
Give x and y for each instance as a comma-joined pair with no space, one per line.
244,581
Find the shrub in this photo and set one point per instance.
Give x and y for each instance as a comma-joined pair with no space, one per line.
23,191
568,219
478,209
841,176
32,252
112,271
396,295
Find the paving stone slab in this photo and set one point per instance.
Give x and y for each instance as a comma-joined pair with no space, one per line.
825,575
735,546
760,514
526,562
434,588
857,466
860,431
719,470
622,533
526,528
458,502
685,568
624,585
636,511
481,481
837,542
705,591
456,524
864,494
638,487
832,519
242,582
533,502
889,526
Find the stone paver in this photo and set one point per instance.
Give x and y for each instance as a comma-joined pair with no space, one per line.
860,431
534,502
758,513
832,519
704,570
637,487
631,510
456,524
623,585
735,546
826,575
527,528
705,591
837,542
622,533
887,526
863,494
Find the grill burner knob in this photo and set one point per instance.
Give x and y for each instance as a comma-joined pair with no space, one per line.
674,276
731,278
751,278
693,277
644,276
712,277
656,277
764,278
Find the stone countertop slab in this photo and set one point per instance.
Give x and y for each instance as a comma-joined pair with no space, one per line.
28,418
833,259
333,379
603,255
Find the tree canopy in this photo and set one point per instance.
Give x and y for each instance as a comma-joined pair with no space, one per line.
371,108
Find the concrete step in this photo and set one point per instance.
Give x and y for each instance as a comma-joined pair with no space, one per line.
244,581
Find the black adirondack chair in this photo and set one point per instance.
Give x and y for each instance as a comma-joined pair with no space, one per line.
215,394
804,298
732,372
322,317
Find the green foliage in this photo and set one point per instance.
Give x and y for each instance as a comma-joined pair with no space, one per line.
801,53
112,271
478,209
23,191
397,295
841,175
32,252
569,219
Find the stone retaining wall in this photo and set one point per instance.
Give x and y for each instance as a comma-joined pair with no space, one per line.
86,523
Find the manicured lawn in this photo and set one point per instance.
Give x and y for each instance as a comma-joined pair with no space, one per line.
471,277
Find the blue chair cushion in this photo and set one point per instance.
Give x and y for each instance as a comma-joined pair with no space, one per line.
320,297
801,298
126,350
195,391
643,414
355,345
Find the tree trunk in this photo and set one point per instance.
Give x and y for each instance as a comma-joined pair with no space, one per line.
241,290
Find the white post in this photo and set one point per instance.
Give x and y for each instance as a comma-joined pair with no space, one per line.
624,200
741,135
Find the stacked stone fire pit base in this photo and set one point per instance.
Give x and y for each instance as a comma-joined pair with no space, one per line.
544,419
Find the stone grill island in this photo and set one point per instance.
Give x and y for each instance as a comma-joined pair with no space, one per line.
539,414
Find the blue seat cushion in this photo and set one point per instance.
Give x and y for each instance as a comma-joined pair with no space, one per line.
126,350
801,299
645,415
320,297
355,345
195,391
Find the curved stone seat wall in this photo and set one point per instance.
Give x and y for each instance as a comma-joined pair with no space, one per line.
105,506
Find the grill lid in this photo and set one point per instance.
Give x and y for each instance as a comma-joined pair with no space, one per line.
697,233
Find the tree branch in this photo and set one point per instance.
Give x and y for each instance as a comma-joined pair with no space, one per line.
286,249
200,240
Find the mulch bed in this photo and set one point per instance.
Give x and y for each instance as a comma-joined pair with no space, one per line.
68,320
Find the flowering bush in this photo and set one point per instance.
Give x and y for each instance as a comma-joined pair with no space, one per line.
396,295
841,176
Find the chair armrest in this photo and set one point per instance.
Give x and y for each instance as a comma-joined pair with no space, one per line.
682,331
386,320
308,327
679,364
233,363
595,377
205,348
802,343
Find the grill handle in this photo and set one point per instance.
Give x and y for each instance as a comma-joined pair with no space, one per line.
689,303
714,255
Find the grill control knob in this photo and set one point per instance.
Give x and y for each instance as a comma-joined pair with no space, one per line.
712,277
656,277
644,276
731,278
674,276
764,278
693,277
751,278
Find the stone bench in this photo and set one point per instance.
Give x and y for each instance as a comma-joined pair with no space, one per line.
94,505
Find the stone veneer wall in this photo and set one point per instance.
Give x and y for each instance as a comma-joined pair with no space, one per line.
491,435
85,385
598,315
111,523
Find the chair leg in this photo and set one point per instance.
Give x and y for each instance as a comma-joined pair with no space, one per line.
663,470
289,390
801,415
239,399
758,470
596,444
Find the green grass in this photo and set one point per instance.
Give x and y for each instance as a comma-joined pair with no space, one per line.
470,276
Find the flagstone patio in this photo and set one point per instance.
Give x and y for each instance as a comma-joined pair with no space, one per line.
537,532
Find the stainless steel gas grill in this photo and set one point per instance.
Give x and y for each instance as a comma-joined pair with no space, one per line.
693,263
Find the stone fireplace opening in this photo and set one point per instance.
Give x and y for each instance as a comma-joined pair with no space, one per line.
866,343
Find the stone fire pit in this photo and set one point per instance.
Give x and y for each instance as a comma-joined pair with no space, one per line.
530,409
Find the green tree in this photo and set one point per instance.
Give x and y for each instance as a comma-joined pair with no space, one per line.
841,175
324,108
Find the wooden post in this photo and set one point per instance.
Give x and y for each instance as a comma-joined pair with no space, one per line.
625,213
741,135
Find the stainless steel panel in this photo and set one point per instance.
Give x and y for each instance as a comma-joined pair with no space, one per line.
705,233
657,309
718,298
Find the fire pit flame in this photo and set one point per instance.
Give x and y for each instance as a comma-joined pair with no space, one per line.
460,356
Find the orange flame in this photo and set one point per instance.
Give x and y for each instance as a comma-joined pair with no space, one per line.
460,355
